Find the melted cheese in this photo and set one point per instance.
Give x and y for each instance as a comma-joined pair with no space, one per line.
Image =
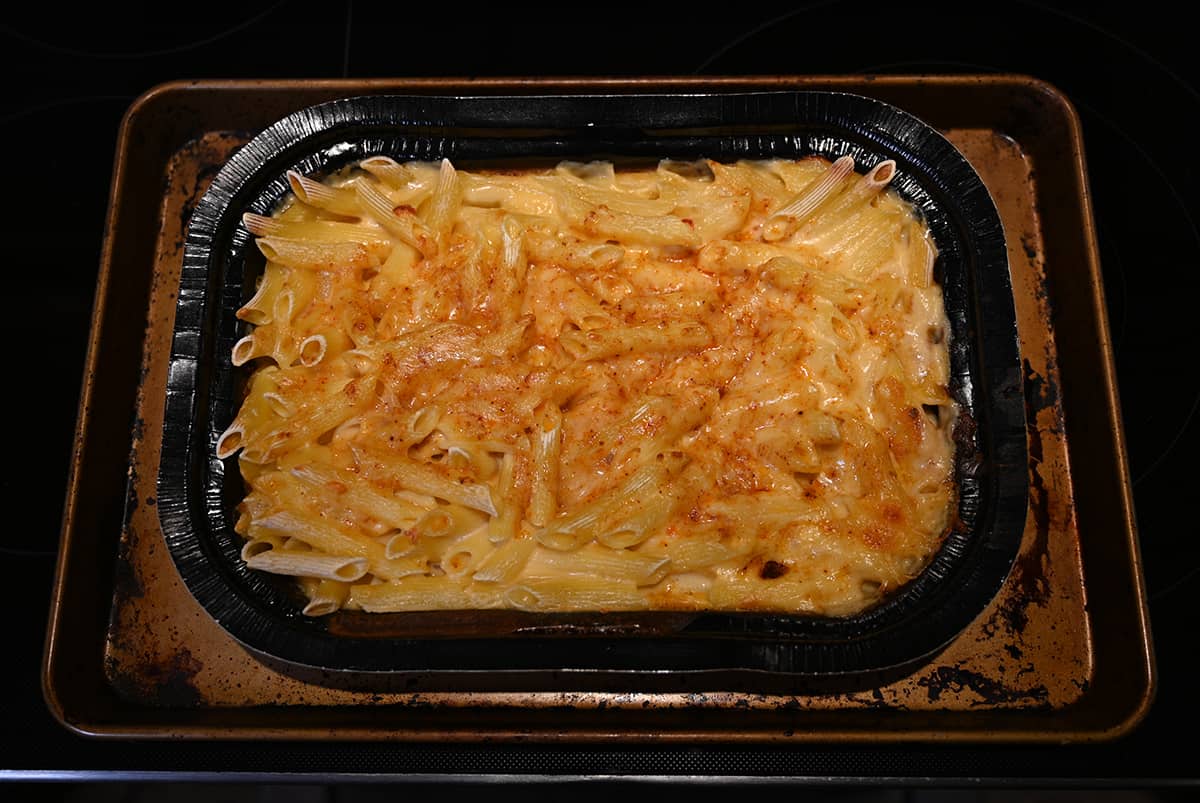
589,389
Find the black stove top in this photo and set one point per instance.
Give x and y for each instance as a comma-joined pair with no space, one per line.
1132,74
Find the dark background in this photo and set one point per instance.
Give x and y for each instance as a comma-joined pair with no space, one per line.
1131,72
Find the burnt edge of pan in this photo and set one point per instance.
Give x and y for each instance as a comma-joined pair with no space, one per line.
196,497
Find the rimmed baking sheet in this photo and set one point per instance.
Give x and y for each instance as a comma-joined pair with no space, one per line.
1062,654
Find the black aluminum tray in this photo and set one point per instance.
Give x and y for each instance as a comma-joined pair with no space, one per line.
197,493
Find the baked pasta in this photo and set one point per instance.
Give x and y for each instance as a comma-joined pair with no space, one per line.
689,386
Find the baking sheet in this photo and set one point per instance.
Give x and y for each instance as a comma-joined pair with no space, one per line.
1039,664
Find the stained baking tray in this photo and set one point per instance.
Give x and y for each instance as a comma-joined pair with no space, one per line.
197,493
1063,653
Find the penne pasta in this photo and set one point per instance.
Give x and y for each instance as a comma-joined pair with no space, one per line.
326,596
309,564
547,446
338,200
697,385
419,593
631,498
576,593
444,205
321,256
399,220
504,563
387,170
595,560
406,474
785,221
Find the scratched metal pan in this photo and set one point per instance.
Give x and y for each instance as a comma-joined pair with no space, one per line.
198,492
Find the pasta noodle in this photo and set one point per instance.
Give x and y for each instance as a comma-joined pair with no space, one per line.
694,386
